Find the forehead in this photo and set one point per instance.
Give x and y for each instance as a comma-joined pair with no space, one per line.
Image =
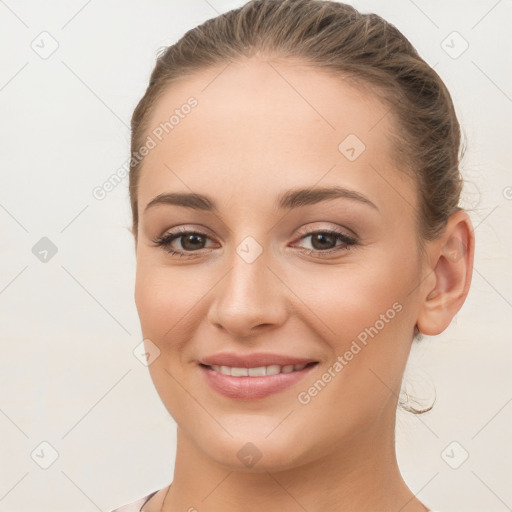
261,123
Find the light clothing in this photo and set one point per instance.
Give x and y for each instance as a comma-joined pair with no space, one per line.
135,506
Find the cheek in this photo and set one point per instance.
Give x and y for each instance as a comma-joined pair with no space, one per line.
350,300
151,298
166,299
172,303
166,303
370,319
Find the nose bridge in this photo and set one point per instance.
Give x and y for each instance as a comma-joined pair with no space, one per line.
249,272
248,295
248,282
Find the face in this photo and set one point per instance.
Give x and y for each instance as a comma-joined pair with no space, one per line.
328,279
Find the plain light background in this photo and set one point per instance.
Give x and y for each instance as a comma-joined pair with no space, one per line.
68,376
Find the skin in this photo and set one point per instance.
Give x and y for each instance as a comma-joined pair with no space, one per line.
252,136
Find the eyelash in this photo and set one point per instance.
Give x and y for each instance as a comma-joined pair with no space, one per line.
165,240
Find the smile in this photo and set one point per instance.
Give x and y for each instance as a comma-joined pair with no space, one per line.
258,371
257,382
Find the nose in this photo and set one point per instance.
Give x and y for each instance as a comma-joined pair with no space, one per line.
249,298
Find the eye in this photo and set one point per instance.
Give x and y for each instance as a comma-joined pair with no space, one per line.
190,241
324,242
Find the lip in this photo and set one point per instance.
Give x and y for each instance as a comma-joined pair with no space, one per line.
252,388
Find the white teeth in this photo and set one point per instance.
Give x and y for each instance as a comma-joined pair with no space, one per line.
259,371
239,372
273,369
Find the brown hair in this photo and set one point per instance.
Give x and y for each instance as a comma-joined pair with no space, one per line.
336,38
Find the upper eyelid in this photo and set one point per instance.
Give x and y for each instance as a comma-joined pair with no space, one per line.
337,230
184,231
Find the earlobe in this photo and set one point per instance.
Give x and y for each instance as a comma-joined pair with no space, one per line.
451,269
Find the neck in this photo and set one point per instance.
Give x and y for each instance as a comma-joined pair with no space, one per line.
360,474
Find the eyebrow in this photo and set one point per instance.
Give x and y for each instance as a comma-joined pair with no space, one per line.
294,198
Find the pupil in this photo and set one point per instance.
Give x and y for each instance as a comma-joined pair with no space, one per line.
324,238
193,237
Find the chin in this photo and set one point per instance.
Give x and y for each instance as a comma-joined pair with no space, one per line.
249,457
250,451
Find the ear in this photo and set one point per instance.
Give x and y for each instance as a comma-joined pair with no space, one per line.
449,270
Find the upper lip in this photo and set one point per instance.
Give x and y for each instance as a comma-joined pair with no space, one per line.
234,360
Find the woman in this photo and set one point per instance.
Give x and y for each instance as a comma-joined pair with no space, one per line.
294,187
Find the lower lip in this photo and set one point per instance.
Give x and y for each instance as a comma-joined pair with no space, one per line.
250,388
